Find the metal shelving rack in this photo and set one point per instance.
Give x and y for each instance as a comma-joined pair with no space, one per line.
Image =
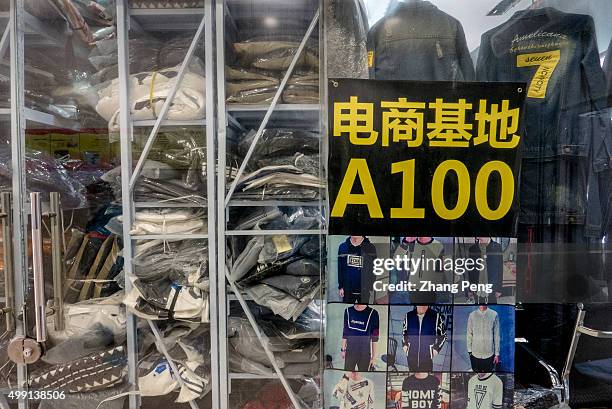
209,21
139,20
21,27
257,117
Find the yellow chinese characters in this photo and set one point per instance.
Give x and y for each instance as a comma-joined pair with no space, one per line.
403,122
502,124
451,127
356,119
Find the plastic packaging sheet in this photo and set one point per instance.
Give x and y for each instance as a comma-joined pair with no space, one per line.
274,55
277,143
163,221
143,57
43,174
158,258
148,93
90,326
188,345
288,353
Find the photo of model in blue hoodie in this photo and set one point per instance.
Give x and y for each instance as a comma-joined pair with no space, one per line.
355,264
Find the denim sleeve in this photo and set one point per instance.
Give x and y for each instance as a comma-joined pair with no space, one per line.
485,68
600,131
466,65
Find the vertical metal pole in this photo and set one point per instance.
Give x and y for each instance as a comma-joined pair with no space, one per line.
210,130
56,260
7,248
37,268
323,149
221,159
572,351
125,129
19,180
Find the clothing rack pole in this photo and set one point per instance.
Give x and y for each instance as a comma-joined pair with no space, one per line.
166,107
209,56
18,125
126,138
279,92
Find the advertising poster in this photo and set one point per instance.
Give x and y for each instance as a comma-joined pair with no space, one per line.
422,321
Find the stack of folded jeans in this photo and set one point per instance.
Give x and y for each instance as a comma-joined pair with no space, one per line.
261,64
284,164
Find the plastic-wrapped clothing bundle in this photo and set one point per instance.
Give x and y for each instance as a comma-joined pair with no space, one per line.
279,142
43,174
158,258
148,93
279,301
254,86
188,346
173,51
245,342
162,182
274,55
162,221
302,88
167,221
160,4
163,299
143,57
291,180
90,326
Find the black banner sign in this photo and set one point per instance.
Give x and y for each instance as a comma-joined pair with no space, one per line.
430,158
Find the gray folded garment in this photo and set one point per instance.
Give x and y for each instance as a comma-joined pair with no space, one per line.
307,369
296,286
263,215
305,354
279,301
247,259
